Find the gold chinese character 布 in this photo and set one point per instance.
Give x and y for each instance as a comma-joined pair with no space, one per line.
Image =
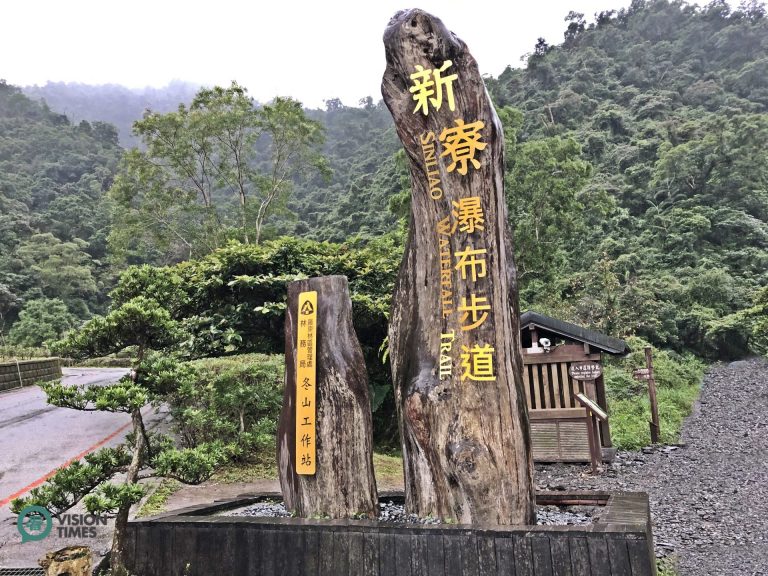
476,309
428,88
469,214
477,362
462,142
466,259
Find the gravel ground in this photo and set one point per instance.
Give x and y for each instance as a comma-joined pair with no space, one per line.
395,513
709,496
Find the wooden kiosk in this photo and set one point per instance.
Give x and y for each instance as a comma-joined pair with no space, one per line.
562,360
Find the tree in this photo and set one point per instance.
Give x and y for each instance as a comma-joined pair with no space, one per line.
62,269
543,179
142,325
41,322
179,192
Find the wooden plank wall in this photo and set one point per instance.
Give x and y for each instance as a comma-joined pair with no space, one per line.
558,422
201,548
549,386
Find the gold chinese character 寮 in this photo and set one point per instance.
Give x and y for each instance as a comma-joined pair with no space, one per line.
428,88
476,309
477,362
469,214
466,259
462,142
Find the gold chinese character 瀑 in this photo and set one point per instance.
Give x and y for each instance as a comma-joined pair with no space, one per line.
466,259
477,362
461,142
469,213
476,308
428,87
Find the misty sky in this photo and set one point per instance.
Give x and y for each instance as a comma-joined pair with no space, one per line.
309,50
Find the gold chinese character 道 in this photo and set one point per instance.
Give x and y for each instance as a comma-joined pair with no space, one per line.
461,143
428,88
477,362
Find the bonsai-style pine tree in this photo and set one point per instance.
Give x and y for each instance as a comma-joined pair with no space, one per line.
142,325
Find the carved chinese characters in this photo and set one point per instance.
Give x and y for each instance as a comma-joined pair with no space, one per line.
453,329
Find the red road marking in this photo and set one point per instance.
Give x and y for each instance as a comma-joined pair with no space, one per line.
42,479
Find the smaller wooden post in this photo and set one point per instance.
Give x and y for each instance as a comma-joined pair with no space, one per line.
654,423
324,438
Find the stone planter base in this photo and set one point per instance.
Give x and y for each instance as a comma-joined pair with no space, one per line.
192,542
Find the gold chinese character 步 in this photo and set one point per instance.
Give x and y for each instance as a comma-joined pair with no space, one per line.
462,142
477,362
428,88
476,309
469,214
466,259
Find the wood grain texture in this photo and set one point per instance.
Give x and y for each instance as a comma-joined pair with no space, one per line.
343,485
466,444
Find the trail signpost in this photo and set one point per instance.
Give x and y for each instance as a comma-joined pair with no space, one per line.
647,374
454,333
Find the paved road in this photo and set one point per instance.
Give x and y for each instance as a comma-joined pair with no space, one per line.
36,438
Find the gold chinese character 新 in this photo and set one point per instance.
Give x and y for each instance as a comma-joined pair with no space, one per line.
461,143
477,363
476,308
469,214
428,88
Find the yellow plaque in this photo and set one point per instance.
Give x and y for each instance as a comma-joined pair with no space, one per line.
306,355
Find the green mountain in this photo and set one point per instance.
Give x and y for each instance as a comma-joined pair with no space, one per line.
53,218
669,104
637,175
111,103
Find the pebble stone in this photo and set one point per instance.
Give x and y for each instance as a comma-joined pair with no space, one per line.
708,495
395,513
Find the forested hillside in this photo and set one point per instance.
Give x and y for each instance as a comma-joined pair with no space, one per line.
668,102
53,219
637,175
111,103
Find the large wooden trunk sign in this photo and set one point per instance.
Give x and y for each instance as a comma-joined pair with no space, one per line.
453,334
324,438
